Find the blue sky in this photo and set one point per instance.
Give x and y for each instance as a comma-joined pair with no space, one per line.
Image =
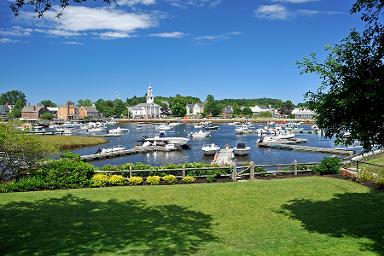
228,48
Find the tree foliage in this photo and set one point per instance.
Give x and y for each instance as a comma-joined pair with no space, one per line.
211,107
286,108
178,106
48,103
11,97
84,102
47,116
352,91
20,153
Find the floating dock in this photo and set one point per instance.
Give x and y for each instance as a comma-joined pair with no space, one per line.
132,151
224,157
306,148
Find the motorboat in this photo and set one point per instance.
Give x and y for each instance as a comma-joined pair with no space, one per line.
244,129
241,149
110,150
163,127
233,124
285,136
170,146
210,149
161,138
200,134
211,127
67,132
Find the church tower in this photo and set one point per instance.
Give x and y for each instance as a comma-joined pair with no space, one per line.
150,98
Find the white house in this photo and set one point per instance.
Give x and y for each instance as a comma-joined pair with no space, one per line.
145,110
257,110
302,113
195,109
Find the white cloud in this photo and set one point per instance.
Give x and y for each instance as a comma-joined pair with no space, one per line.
272,12
223,36
175,34
16,31
135,2
7,40
79,18
72,43
60,32
280,12
113,35
194,3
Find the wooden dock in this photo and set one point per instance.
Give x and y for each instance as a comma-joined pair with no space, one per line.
224,157
306,148
131,151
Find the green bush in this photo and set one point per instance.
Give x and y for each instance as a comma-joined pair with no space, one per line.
99,180
259,169
153,180
116,180
109,167
329,165
367,175
71,156
170,179
135,181
25,184
211,178
189,179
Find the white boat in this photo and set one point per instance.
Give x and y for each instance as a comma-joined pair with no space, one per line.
241,149
162,139
355,146
118,130
98,129
234,124
163,127
170,146
114,149
210,149
285,136
244,129
200,134
67,132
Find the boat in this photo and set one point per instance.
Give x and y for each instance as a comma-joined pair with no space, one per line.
285,136
210,149
110,150
170,146
161,138
118,130
198,126
211,127
234,123
244,129
200,134
163,127
67,132
241,149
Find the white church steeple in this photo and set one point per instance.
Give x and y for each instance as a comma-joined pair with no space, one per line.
150,98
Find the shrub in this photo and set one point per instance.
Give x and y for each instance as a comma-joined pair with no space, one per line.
116,180
135,181
72,156
211,178
153,180
367,175
109,167
25,184
189,179
329,165
66,173
99,180
259,169
170,179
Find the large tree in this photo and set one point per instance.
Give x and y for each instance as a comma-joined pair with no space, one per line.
350,98
84,102
11,97
20,152
48,103
211,107
178,106
286,108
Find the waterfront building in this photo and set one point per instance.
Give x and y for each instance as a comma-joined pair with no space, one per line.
145,110
33,113
195,109
228,111
257,109
89,113
302,113
4,111
68,112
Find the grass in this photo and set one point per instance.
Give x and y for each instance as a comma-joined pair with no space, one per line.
70,142
296,216
378,164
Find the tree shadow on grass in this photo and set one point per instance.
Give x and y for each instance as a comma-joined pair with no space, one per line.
77,226
359,215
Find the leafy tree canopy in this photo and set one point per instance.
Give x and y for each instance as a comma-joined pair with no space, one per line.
11,97
84,102
48,103
350,98
211,106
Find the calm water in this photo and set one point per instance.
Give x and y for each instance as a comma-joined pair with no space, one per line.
224,135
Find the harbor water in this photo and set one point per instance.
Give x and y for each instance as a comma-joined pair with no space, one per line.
225,135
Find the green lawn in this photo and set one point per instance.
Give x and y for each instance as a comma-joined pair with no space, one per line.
378,160
297,216
70,142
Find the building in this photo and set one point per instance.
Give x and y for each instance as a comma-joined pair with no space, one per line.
145,110
53,110
33,113
302,113
4,111
68,112
195,109
228,111
88,113
257,110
